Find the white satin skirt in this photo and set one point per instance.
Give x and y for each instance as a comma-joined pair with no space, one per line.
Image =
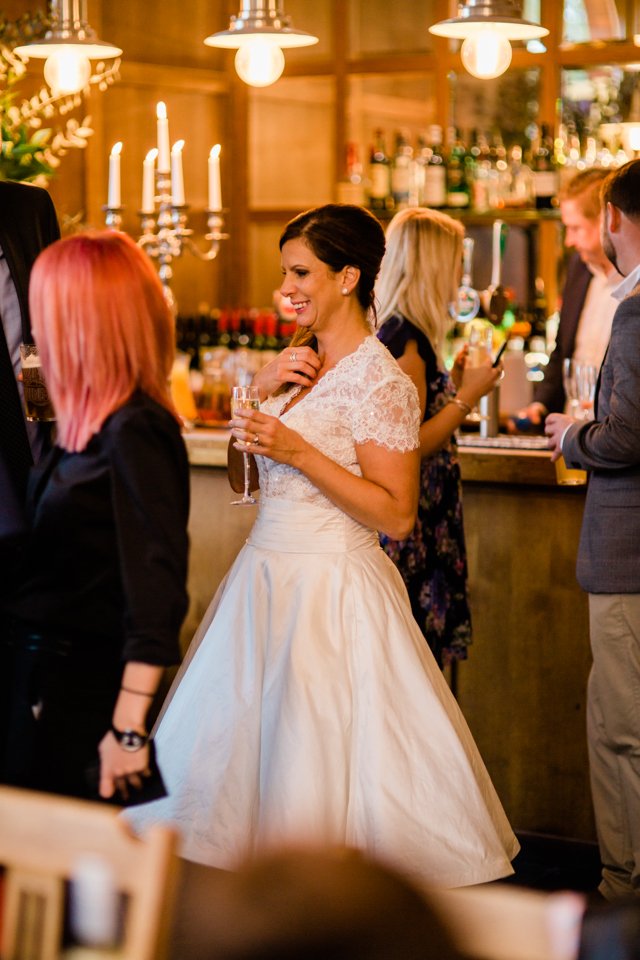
310,710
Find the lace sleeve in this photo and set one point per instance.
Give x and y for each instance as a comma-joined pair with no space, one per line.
390,415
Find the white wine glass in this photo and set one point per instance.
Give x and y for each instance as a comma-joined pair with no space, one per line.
244,398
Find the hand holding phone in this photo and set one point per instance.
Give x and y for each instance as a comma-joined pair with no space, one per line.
499,354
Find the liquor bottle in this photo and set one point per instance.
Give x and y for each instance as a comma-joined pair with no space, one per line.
351,189
519,180
434,188
224,337
483,189
545,173
379,175
458,188
401,171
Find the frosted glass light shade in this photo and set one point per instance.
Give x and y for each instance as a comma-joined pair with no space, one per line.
259,62
486,55
67,71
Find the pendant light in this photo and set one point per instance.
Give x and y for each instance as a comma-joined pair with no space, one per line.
259,32
486,27
68,47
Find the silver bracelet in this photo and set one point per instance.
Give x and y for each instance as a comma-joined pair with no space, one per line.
462,404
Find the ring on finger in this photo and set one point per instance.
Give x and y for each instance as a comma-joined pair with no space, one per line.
292,356
256,440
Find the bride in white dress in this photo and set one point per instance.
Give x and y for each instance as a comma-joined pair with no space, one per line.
312,710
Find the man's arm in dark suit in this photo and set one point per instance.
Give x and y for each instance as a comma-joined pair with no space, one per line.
613,441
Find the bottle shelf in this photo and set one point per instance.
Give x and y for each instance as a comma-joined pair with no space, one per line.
517,217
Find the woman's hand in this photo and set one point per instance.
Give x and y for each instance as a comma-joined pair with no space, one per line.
457,370
121,770
257,432
478,381
293,365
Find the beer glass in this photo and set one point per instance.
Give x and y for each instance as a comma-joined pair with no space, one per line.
37,403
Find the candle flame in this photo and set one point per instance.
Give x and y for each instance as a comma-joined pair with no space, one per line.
215,151
116,149
161,110
177,147
151,156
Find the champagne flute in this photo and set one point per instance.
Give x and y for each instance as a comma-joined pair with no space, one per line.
570,385
480,340
244,398
586,378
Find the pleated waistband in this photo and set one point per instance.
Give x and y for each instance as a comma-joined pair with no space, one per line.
291,527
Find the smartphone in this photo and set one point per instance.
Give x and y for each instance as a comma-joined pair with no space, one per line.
499,354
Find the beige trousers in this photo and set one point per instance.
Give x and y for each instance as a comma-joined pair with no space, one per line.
613,734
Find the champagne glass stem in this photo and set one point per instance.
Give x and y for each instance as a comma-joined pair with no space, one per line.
247,468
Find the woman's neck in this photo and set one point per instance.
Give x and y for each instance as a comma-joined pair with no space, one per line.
334,345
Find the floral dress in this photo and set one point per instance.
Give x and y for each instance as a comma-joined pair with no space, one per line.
433,560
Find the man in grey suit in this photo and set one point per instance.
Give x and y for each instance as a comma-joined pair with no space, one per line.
608,565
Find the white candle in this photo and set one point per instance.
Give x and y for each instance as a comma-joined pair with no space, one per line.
163,138
215,193
113,193
148,182
177,178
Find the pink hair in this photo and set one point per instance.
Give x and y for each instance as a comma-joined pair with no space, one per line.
103,329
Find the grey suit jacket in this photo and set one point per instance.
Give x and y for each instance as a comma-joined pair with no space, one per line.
609,447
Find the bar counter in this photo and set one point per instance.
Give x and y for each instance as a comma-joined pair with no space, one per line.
523,688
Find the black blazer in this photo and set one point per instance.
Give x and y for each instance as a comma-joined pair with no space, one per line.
550,391
28,223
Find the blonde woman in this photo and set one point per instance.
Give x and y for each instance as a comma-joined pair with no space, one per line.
418,279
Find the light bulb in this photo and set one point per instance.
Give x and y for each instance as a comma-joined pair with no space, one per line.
486,54
259,62
66,72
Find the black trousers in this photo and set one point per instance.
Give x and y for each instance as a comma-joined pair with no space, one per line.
56,705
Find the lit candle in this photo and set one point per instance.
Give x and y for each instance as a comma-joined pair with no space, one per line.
177,179
163,138
113,193
215,193
148,182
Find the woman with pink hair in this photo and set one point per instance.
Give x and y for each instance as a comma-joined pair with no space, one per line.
99,595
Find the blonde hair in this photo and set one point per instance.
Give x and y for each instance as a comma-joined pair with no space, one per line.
585,188
420,270
103,329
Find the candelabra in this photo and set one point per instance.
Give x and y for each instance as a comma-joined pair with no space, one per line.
165,234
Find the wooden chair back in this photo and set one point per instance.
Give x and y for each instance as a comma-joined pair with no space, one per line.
42,838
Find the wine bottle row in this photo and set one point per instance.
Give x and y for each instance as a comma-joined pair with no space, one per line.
212,333
479,174
218,349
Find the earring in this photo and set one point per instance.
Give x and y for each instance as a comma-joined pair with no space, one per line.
345,291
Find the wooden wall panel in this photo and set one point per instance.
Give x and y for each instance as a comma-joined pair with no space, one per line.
291,143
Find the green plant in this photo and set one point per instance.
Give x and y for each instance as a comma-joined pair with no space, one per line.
34,132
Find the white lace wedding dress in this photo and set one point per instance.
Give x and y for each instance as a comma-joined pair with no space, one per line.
312,710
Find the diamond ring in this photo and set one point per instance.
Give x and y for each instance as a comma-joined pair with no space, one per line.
256,440
292,356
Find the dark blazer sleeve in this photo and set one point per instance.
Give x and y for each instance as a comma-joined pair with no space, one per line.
150,498
28,224
612,442
550,391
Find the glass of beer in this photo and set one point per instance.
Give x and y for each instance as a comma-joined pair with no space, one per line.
568,476
37,403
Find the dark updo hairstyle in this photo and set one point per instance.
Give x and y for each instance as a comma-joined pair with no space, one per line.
341,235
